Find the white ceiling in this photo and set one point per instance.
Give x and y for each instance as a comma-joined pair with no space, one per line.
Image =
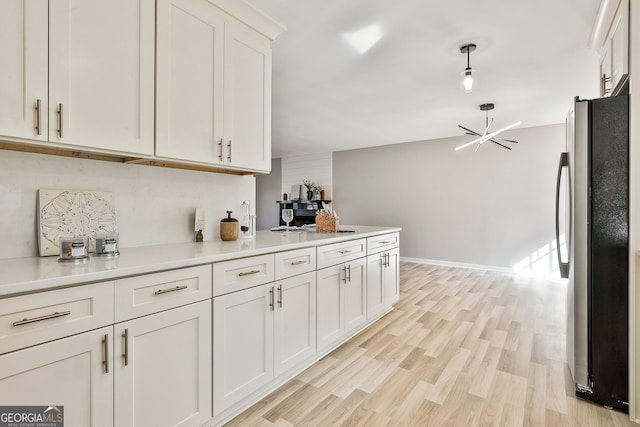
532,59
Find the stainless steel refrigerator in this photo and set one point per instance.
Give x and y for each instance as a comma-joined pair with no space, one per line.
594,175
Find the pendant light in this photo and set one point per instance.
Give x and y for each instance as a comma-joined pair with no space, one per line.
486,136
467,79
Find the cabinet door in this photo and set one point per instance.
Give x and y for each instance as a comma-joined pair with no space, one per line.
375,290
163,368
330,305
620,45
69,372
355,295
23,68
242,344
391,278
247,98
295,321
189,81
606,87
101,74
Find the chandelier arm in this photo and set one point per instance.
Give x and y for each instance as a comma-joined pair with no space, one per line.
503,146
471,132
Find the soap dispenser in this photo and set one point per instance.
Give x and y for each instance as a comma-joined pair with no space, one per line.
229,228
246,219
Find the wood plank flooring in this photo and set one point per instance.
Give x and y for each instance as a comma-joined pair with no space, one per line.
462,348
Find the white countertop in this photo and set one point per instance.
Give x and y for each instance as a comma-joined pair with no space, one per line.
24,275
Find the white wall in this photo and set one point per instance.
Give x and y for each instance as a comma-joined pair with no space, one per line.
312,167
153,205
491,208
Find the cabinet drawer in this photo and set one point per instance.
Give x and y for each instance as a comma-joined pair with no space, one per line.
231,276
383,242
292,263
337,253
32,319
142,295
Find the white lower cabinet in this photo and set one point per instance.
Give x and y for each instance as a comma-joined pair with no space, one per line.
242,344
163,368
259,333
75,373
295,321
341,303
383,275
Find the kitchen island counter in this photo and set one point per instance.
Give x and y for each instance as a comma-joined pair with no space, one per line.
35,274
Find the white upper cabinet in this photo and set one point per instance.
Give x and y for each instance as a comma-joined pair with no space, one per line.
70,78
611,37
189,81
184,81
101,71
23,68
247,100
213,91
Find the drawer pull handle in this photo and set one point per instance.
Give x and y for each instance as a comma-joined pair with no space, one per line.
385,242
299,262
60,121
38,131
26,321
125,355
221,155
280,296
271,302
248,273
344,252
165,291
105,353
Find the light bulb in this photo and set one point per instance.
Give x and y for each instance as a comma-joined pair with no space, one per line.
467,82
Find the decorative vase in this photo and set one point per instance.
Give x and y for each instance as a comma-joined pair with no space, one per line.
309,194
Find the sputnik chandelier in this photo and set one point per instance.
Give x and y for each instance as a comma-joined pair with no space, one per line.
486,135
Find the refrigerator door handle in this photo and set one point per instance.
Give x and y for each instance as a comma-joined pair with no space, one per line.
564,266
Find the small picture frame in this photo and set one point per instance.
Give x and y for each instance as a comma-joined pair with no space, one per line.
295,192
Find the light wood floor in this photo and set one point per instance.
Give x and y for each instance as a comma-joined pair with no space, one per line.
462,348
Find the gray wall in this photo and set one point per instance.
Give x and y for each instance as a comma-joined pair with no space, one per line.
491,208
267,192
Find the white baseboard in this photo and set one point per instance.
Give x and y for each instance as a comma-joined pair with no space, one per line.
458,264
554,277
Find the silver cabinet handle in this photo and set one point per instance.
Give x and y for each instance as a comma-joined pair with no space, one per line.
166,291
105,353
229,157
280,296
603,84
388,260
562,165
271,303
38,117
26,321
247,273
299,262
221,155
347,273
385,242
125,354
60,120
344,252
